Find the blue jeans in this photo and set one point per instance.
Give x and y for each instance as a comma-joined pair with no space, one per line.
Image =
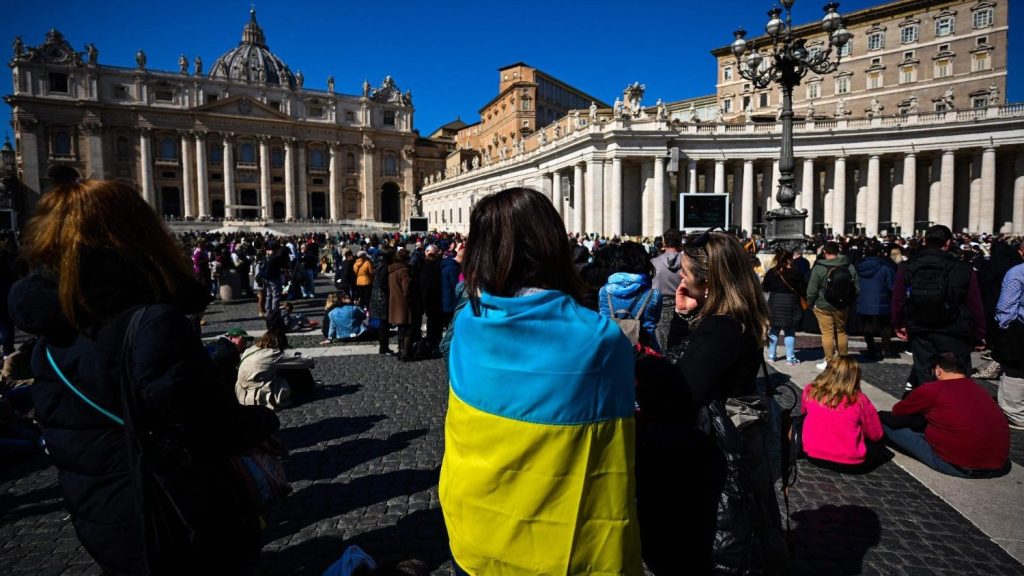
789,340
308,289
273,295
914,444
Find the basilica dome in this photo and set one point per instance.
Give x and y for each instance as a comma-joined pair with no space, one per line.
251,61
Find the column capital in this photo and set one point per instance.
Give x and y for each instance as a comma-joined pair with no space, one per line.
910,154
144,130
948,152
228,136
874,156
988,149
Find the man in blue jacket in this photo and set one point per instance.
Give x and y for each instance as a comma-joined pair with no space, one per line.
876,276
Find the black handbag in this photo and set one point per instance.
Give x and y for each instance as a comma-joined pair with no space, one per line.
155,462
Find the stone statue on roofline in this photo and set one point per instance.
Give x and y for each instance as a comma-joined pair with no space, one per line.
592,116
140,59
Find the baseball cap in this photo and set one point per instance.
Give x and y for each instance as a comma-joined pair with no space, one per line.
238,332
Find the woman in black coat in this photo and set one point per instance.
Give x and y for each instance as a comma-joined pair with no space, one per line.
784,285
380,298
720,515
114,258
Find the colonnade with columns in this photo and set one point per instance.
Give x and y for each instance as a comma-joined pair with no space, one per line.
353,188
980,189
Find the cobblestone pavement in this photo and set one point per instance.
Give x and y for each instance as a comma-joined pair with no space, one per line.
365,458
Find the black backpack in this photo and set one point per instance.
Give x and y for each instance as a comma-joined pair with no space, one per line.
840,290
930,302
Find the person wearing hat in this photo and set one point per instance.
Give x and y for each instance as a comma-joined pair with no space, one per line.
226,353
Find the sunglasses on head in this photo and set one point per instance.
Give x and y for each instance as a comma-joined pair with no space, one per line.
701,241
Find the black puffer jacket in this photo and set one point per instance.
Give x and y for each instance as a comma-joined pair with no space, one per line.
90,450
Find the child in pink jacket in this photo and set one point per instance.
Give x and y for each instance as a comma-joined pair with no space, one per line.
841,429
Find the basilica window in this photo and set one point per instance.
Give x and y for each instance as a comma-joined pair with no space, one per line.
389,118
908,74
390,165
216,154
247,153
979,102
276,157
350,116
62,143
727,74
315,109
813,90
981,62
120,92
983,18
944,26
58,82
350,162
762,100
167,150
525,102
874,80
122,149
846,49
316,159
727,105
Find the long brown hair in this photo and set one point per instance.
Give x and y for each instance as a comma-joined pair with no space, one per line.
83,220
733,288
517,240
839,383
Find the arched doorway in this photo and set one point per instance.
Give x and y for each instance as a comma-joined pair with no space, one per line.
217,208
278,210
390,203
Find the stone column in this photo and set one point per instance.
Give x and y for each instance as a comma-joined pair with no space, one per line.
229,176
266,200
874,196
186,176
369,204
908,199
747,221
95,134
1018,194
658,198
735,196
935,190
616,197
771,203
289,179
839,196
691,171
719,177
862,192
595,195
146,168
556,193
974,195
577,198
333,185
946,188
807,195
301,192
987,219
202,177
34,147
828,194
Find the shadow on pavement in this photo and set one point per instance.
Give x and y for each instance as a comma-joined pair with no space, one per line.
332,461
833,539
335,427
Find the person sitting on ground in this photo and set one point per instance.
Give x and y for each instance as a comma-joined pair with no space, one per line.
841,429
951,424
268,377
294,321
226,354
346,320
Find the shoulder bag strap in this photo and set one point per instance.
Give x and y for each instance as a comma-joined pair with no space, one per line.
53,364
788,285
643,306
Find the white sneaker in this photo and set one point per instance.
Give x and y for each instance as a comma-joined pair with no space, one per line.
821,365
908,387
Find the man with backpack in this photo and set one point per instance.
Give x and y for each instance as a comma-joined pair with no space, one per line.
831,291
936,303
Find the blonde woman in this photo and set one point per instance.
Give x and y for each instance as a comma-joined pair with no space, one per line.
841,429
716,341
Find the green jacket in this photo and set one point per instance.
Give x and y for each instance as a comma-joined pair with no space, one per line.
816,285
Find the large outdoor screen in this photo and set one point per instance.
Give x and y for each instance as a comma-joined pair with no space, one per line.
702,211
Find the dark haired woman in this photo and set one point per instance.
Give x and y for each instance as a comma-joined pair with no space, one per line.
628,293
399,302
731,520
380,298
785,287
103,255
538,466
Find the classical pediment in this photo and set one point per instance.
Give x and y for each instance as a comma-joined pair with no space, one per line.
243,106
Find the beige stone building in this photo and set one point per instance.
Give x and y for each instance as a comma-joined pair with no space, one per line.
939,145
243,138
910,55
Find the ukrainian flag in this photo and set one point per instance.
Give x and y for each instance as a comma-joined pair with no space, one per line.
537,475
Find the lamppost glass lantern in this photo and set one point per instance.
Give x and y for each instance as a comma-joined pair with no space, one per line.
785,62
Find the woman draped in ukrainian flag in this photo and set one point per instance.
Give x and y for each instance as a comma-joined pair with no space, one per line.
539,438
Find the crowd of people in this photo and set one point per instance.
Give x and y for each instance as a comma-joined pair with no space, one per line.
582,370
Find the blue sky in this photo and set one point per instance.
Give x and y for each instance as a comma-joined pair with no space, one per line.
446,52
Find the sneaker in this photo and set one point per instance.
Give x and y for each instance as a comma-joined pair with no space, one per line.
772,358
986,356
908,387
792,361
908,352
989,371
821,365
1016,426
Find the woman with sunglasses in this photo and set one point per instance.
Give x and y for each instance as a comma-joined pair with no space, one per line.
537,475
716,516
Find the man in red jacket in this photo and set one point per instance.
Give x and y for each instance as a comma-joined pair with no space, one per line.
965,433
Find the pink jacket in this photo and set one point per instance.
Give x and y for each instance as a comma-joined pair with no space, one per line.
839,434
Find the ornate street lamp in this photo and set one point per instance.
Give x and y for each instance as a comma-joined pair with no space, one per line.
786,64
8,186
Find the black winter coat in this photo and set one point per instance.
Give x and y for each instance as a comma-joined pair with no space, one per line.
430,285
175,382
783,299
380,295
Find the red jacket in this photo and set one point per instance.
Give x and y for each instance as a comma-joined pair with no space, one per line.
965,425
